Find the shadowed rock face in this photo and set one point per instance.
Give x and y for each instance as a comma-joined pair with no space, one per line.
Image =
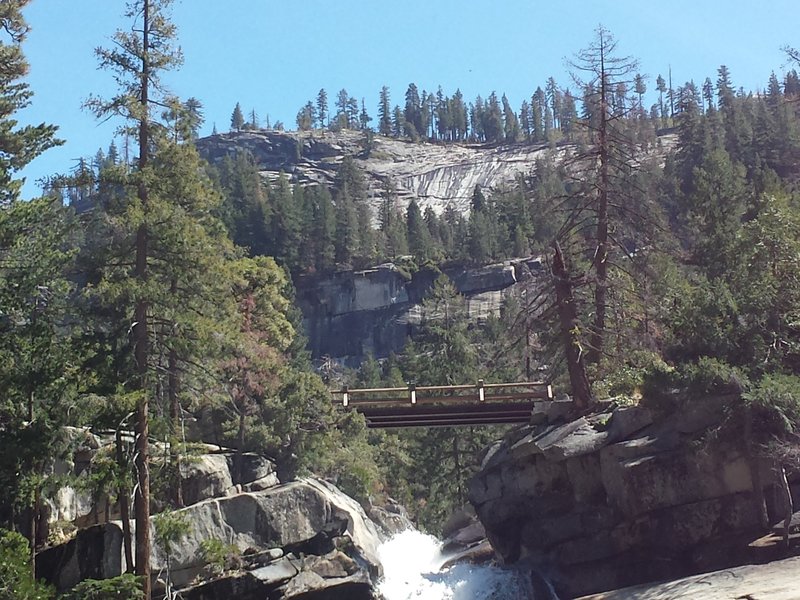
611,500
349,314
435,174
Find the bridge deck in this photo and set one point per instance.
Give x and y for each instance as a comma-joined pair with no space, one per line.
446,406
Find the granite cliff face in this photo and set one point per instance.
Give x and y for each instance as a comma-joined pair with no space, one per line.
625,497
352,313
435,174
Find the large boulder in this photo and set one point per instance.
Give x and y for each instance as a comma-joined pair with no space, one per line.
301,515
205,476
94,553
306,517
620,498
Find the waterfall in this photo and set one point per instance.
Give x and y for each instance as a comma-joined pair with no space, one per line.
411,564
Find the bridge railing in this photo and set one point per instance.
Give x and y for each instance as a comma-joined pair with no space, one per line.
426,394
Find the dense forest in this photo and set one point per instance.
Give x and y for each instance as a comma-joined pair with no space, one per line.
147,289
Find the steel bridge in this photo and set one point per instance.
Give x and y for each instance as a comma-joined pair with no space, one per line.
446,405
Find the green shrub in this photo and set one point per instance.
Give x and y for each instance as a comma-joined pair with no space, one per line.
664,388
16,582
124,587
709,376
219,556
775,402
625,383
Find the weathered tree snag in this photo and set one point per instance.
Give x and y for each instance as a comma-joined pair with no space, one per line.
569,327
601,252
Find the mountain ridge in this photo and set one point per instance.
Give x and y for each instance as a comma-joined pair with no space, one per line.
435,175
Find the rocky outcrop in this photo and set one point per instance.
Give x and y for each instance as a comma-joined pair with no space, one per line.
620,498
94,553
436,175
776,581
303,539
392,518
294,538
202,476
349,314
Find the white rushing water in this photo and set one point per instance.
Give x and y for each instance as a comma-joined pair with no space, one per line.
411,565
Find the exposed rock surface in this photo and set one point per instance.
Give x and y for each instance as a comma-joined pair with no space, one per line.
95,553
435,174
622,498
391,518
349,314
779,580
305,539
301,540
203,476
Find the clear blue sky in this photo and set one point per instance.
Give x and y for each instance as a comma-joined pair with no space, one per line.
274,55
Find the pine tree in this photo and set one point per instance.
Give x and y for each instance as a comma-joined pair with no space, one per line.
458,116
346,242
510,121
725,93
492,120
340,119
569,115
138,59
537,115
193,117
39,353
526,120
661,86
392,224
237,118
244,209
708,93
419,243
285,226
306,117
412,114
19,145
553,94
363,116
640,87
384,113
398,122
256,355
324,228
322,109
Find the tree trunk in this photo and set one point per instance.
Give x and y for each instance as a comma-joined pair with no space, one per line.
124,508
457,465
601,252
32,539
786,496
569,327
175,418
33,509
142,497
755,472
238,466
